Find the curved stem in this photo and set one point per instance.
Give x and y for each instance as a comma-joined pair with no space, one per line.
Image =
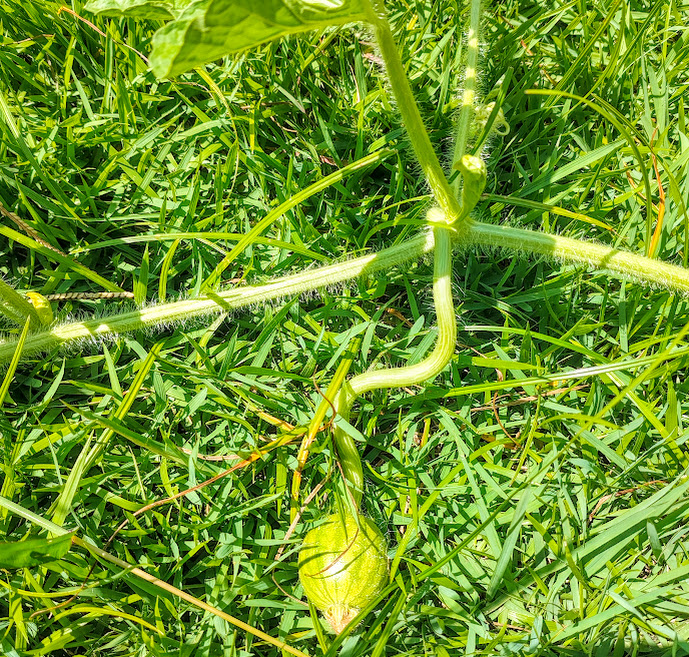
427,369
444,348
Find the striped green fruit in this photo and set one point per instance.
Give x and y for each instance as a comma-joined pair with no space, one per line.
343,565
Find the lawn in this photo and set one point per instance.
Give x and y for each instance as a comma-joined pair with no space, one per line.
196,271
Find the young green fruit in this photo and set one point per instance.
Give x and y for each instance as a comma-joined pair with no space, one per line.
342,566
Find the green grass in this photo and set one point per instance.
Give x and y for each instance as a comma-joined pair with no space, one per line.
534,494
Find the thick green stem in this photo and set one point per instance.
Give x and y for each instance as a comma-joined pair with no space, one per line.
597,256
444,348
624,263
418,136
240,297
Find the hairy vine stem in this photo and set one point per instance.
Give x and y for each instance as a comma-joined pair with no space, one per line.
578,252
416,130
566,249
179,311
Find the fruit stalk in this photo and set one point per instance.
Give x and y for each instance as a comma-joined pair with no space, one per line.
427,369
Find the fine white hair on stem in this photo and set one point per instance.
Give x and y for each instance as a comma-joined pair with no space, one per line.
172,314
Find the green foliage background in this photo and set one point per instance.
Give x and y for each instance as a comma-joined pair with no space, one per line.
563,377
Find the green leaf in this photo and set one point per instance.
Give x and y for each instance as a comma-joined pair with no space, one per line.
34,552
141,282
161,9
9,374
210,29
